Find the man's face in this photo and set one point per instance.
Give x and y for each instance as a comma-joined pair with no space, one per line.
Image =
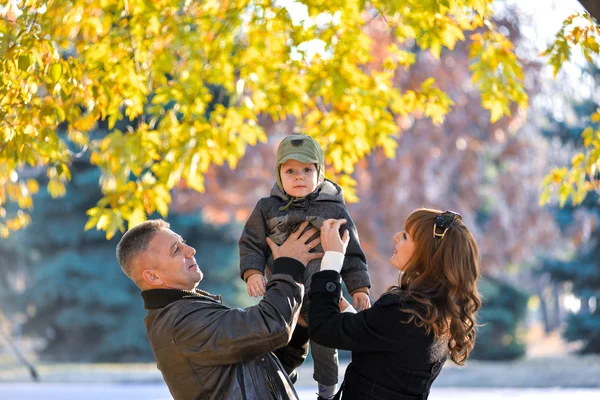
173,262
298,179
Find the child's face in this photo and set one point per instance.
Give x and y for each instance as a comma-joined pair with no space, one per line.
299,179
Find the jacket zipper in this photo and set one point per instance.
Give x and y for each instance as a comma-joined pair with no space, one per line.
270,380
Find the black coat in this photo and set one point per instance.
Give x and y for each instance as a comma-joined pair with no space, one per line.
391,359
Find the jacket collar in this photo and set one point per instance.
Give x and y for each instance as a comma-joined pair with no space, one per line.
159,298
326,191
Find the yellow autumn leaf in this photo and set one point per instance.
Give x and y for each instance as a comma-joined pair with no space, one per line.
137,217
164,86
577,159
56,188
32,186
496,111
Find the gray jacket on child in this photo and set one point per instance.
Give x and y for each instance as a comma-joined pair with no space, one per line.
268,220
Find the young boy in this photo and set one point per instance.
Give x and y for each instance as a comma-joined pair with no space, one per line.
302,194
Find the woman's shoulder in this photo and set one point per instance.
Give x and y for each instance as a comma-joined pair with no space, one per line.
396,297
398,307
400,300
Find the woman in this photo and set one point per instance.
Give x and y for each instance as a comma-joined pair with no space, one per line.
400,344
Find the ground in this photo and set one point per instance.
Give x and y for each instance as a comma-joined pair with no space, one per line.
549,371
156,391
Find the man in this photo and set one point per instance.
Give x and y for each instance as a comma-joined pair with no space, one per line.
204,349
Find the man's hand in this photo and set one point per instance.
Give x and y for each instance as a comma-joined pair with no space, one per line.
330,236
296,246
256,285
362,299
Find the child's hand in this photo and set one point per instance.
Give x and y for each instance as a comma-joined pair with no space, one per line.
256,285
302,321
363,299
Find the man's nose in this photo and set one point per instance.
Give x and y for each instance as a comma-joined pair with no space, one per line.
191,252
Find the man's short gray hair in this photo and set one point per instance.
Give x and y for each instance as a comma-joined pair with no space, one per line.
135,241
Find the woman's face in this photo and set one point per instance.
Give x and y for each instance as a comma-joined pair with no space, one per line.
404,249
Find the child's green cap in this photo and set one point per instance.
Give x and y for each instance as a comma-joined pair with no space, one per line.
301,148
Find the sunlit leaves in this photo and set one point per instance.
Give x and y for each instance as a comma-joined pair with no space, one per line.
497,73
36,84
584,174
183,85
577,30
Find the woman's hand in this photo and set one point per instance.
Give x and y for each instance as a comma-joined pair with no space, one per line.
295,245
330,236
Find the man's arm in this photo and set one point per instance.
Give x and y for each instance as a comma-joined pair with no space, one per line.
218,335
213,334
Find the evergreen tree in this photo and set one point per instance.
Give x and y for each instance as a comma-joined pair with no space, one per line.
76,296
582,271
582,274
503,310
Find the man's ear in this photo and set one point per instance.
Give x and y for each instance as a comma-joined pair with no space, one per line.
151,277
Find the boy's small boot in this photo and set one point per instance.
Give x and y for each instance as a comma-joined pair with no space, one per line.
326,392
319,397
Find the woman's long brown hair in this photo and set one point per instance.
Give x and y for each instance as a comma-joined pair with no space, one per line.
440,280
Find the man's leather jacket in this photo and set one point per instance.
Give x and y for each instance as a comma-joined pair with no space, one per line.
206,350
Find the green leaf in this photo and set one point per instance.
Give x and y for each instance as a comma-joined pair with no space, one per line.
55,72
24,62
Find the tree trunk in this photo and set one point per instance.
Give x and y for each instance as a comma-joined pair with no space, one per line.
556,307
544,310
585,305
16,351
593,7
